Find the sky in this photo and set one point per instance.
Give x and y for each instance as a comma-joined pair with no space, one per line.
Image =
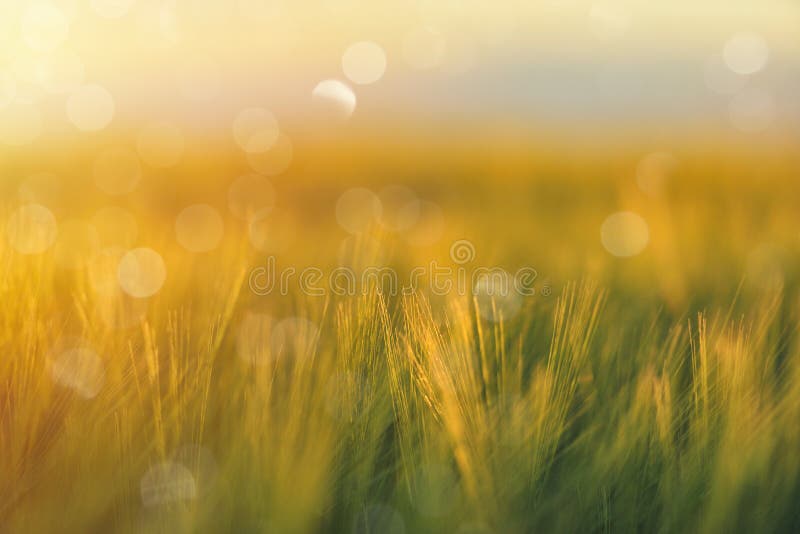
551,62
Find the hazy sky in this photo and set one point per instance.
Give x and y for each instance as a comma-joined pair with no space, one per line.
553,60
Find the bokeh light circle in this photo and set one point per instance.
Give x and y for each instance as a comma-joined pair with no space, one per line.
32,229
745,53
357,209
364,62
80,369
90,108
44,26
167,483
293,338
624,234
141,272
496,295
333,99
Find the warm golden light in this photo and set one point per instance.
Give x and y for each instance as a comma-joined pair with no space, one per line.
399,266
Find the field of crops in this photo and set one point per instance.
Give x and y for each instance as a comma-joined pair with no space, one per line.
654,392
454,269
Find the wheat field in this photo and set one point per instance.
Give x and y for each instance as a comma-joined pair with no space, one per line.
399,267
615,403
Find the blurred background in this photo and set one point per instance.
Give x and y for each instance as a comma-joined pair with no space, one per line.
650,143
